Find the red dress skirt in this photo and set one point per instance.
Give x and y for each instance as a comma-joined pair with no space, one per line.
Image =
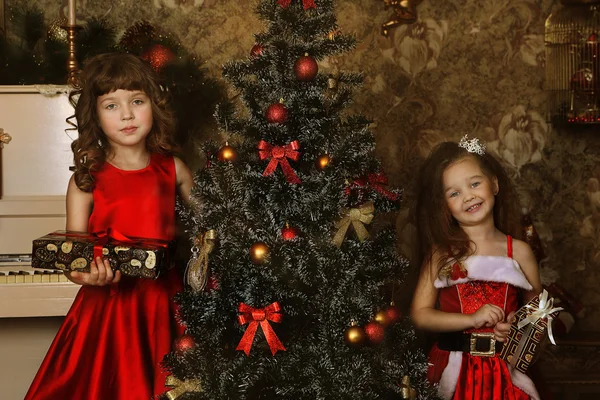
114,338
459,375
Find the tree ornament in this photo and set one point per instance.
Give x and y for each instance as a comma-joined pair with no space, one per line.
394,313
332,34
158,56
323,161
279,156
289,232
180,388
55,31
227,153
138,36
408,392
196,272
333,83
277,113
356,217
383,318
257,50
305,3
354,336
375,332
306,68
256,317
184,343
259,252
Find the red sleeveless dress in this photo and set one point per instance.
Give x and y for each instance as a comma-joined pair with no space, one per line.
460,375
113,338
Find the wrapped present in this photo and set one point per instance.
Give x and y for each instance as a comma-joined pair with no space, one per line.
529,332
74,251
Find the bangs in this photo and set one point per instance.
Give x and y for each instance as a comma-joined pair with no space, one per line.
120,75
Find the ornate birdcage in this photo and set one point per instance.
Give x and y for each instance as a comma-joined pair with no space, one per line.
573,63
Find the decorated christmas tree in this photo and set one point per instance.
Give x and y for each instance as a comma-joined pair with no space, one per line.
293,266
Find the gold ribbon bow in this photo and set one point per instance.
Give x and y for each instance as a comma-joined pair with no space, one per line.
197,268
544,310
181,387
357,217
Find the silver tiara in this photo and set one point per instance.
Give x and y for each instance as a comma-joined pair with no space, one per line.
473,145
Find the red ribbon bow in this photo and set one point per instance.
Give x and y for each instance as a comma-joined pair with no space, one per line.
375,182
279,155
458,272
262,316
306,3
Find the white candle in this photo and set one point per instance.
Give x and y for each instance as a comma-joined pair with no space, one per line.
72,21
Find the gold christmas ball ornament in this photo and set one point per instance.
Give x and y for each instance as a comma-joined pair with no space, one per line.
383,318
259,252
354,336
227,153
323,161
55,31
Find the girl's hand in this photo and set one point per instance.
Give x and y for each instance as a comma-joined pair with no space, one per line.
488,315
502,328
100,274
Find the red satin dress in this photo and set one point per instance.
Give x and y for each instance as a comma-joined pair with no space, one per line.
114,338
459,375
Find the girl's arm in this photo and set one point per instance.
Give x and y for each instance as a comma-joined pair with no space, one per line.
526,259
426,317
185,180
79,209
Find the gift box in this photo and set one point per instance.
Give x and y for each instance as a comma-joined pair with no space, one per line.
74,251
529,332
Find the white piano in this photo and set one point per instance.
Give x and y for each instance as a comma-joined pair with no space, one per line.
34,172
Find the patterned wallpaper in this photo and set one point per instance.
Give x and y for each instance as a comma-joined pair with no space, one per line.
465,66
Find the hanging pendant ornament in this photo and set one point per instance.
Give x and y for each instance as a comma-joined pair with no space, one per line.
277,113
357,217
305,3
306,68
279,156
181,387
393,312
260,316
323,161
354,336
227,153
288,232
375,332
184,343
158,56
257,50
259,252
408,392
196,273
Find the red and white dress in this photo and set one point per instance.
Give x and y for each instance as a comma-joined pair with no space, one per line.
460,375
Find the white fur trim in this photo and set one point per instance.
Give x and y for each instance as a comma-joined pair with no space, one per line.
490,269
449,378
523,382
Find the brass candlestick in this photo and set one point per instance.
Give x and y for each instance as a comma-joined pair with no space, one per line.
72,66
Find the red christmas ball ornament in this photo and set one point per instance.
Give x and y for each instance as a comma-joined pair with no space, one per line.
277,113
184,344
375,332
306,68
158,56
394,313
289,232
257,50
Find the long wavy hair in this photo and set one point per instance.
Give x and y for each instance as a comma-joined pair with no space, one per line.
437,230
104,74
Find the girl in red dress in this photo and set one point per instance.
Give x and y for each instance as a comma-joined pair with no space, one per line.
119,328
474,274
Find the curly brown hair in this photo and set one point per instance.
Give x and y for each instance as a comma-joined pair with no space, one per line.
104,74
436,228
